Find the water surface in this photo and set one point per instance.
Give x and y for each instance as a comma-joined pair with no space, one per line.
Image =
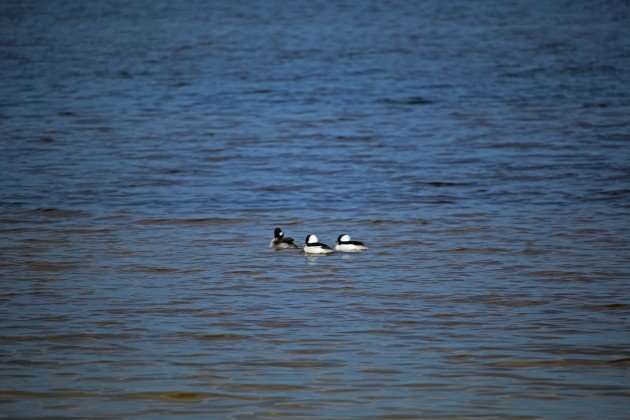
149,150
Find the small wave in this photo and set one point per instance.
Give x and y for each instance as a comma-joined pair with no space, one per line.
219,337
429,385
180,396
267,387
51,266
64,338
516,145
22,395
410,100
60,213
84,230
560,363
444,184
12,230
148,269
383,371
297,364
608,307
203,221
312,351
411,222
466,250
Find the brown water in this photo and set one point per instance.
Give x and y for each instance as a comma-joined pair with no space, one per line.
149,150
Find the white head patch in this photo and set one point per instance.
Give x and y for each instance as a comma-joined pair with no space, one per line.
312,239
345,238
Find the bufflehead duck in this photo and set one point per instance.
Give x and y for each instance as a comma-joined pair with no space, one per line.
346,245
313,246
280,242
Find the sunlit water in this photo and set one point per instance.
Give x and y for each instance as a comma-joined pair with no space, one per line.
149,150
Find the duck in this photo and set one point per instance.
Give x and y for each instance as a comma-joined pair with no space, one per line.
279,241
313,246
344,244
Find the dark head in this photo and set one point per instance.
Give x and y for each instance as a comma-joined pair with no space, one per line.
278,233
343,238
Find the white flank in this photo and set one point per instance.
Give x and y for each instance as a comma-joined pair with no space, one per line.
350,247
316,250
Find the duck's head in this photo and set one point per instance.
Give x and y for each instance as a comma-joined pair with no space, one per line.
278,233
311,239
343,238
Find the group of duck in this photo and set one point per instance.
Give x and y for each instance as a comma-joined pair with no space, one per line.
313,246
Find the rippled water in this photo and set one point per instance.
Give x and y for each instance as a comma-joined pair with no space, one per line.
149,150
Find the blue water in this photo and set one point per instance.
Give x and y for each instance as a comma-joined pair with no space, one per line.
148,150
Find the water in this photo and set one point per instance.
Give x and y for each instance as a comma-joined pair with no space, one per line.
149,150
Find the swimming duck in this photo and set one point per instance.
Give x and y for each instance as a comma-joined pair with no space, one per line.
346,245
313,246
280,242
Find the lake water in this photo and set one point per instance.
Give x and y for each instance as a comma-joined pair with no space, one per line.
481,150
